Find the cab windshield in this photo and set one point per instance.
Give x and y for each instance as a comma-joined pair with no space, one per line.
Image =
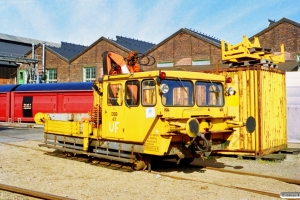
209,94
180,93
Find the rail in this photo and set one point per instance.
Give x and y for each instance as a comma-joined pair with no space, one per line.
31,193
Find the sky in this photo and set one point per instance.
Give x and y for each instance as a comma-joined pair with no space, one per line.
85,21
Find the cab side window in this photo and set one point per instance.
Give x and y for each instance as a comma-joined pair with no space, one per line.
114,97
148,93
132,96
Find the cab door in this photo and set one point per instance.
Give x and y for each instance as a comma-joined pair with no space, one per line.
113,115
140,101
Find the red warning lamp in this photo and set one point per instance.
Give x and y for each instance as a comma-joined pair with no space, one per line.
162,75
228,80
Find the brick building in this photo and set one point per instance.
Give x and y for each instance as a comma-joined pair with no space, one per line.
196,51
12,50
13,59
77,63
285,32
57,60
87,66
185,48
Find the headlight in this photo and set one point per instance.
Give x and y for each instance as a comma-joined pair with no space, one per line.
192,127
164,88
230,91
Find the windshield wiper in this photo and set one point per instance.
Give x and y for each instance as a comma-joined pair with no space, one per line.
182,85
213,90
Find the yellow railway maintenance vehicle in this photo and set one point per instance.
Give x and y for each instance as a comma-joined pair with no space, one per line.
139,117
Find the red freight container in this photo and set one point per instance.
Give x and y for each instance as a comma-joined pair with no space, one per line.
29,99
5,99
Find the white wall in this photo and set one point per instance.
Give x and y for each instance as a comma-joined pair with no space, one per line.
293,106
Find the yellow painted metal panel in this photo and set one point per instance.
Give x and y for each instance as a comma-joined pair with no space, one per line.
261,93
157,144
62,127
255,140
247,50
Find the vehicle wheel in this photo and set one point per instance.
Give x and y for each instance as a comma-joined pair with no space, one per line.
139,165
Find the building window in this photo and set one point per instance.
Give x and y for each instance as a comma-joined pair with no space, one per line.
298,57
201,62
165,64
89,74
51,76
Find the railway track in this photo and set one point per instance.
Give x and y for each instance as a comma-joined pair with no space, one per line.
269,194
170,164
22,146
31,193
166,164
286,180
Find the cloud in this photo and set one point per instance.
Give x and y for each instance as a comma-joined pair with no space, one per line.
85,21
89,21
159,21
28,19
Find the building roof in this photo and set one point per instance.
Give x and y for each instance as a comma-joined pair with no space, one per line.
274,24
207,38
133,44
12,52
25,40
67,50
8,64
96,42
13,49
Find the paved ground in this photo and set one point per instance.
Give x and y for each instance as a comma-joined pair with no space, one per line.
68,176
20,134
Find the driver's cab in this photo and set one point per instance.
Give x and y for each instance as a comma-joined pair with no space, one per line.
134,103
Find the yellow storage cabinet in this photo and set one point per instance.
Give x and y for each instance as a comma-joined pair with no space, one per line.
259,92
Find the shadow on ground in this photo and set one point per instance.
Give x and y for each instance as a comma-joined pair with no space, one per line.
198,165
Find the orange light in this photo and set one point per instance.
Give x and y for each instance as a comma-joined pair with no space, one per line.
228,80
162,75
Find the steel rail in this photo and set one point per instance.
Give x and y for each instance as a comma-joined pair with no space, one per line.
16,145
270,194
32,193
286,180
